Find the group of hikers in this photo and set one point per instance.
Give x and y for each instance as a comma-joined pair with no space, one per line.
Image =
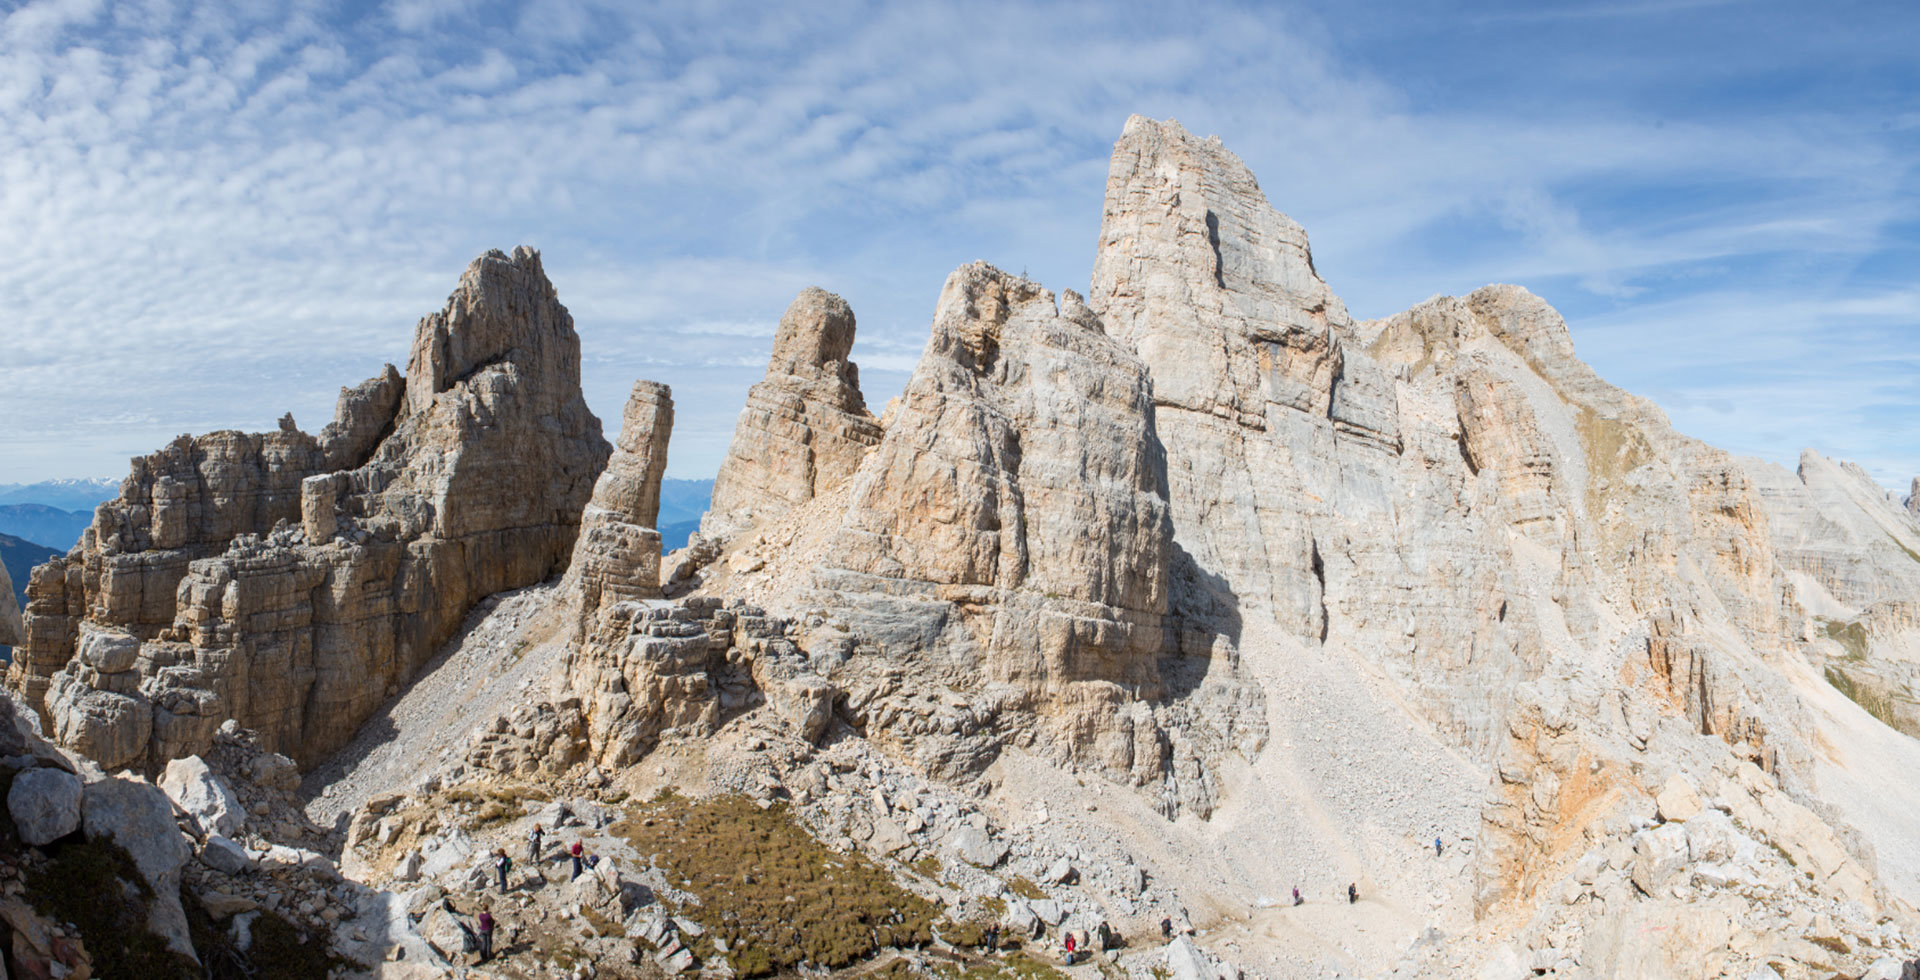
479,938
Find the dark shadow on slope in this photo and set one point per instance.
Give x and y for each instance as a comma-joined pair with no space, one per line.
379,728
1204,610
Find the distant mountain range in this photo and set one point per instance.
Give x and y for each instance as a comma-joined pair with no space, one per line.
681,504
81,494
54,513
20,557
48,526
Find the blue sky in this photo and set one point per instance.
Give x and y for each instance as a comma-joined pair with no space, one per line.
214,214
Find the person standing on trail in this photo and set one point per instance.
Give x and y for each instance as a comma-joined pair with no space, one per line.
533,844
1353,893
1166,927
503,864
1436,847
486,934
1297,900
579,854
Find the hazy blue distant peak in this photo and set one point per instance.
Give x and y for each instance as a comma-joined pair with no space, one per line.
71,494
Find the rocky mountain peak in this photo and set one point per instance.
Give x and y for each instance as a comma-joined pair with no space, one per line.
813,344
504,310
805,427
289,583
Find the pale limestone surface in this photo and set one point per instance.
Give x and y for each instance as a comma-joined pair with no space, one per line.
1567,594
289,582
617,556
1205,548
805,426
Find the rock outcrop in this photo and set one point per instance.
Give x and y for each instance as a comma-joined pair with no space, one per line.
805,427
1077,515
291,582
617,556
12,630
1019,487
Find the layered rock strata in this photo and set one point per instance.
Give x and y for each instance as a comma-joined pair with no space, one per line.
648,667
805,427
617,556
999,568
291,582
1569,593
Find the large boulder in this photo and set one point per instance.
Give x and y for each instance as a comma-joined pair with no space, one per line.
137,816
204,795
45,805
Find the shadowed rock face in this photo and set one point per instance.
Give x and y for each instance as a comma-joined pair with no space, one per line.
805,427
289,582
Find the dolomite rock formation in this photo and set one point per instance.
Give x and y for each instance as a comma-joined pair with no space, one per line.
1851,554
805,427
1566,592
11,629
291,582
1018,485
617,556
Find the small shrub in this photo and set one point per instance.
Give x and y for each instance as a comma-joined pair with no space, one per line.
929,866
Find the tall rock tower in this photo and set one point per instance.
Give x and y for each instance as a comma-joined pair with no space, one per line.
290,583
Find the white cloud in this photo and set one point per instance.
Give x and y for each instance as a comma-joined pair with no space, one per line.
196,199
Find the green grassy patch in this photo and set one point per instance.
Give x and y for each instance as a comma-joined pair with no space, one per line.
1012,966
1851,636
780,898
1877,703
1025,888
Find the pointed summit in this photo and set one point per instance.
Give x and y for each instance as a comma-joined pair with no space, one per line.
805,428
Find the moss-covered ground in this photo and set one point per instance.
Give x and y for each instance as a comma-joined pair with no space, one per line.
779,899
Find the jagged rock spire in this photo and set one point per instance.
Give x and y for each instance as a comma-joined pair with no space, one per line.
617,556
805,427
11,630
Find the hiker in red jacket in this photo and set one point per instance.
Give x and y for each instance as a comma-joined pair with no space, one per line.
486,934
579,854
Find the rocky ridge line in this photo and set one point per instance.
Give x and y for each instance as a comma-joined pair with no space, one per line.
290,583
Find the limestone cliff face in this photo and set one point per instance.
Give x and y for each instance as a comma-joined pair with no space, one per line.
11,629
805,427
1851,554
290,582
1007,543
